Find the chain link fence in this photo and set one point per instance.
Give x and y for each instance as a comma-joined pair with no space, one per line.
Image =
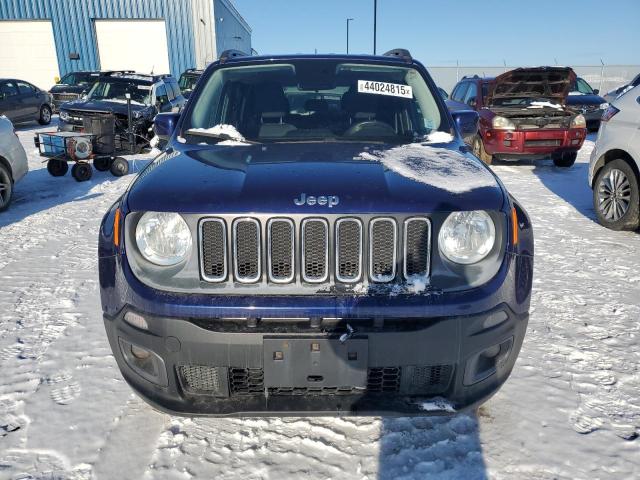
604,78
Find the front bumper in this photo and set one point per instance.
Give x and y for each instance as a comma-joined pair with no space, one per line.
538,143
462,359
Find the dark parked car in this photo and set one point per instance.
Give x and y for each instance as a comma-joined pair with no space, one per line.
150,95
585,100
74,85
22,102
188,81
522,115
355,260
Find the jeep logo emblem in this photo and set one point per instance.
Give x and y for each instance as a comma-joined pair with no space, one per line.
331,200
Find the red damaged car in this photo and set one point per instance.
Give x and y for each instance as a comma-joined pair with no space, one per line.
523,115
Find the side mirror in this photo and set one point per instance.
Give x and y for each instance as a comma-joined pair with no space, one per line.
467,122
596,91
165,124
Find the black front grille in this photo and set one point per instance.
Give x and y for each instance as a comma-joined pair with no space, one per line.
383,249
316,391
426,379
315,250
281,250
214,250
201,379
417,239
384,379
247,250
65,97
246,381
410,380
348,250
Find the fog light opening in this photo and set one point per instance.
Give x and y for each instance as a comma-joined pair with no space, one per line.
144,362
140,353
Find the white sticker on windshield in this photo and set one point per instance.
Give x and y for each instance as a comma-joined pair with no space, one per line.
144,87
384,88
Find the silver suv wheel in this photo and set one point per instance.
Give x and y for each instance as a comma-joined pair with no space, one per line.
614,195
6,188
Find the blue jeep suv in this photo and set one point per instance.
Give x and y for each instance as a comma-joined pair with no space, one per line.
315,238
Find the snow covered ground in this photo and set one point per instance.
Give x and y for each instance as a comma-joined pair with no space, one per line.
571,409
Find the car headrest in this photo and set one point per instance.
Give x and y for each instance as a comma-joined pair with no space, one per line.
270,97
357,104
317,105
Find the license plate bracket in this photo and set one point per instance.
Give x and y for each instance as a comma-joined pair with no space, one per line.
313,362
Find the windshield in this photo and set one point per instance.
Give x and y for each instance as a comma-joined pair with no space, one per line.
115,90
313,100
188,82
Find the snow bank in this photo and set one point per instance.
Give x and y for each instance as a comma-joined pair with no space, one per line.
438,167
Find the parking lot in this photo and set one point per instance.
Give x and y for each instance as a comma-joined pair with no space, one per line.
570,410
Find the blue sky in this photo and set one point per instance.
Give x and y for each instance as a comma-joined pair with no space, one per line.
439,32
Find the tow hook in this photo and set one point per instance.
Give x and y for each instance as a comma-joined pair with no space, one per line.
348,334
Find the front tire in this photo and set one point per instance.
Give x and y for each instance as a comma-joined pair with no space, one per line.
45,115
566,160
616,199
81,171
480,152
6,188
57,168
102,164
119,167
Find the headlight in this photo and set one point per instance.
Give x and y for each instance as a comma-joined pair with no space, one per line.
604,106
163,238
502,123
467,237
579,122
137,114
64,115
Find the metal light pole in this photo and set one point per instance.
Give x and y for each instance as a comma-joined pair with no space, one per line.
348,20
375,23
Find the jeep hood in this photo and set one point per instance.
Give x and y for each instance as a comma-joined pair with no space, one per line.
267,178
64,88
538,83
116,107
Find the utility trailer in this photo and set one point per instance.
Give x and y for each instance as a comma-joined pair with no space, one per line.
96,142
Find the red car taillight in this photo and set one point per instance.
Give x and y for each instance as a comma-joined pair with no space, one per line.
609,113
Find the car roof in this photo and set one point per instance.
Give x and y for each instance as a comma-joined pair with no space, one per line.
477,77
312,56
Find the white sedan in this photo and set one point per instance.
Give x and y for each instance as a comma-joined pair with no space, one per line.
13,161
614,168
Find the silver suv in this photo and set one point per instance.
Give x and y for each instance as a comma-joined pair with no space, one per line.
614,169
13,161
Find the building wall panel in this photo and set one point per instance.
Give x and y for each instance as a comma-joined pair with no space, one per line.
74,31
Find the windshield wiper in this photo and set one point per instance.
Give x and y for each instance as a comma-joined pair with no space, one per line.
218,136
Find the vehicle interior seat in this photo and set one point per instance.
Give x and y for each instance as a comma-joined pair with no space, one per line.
272,107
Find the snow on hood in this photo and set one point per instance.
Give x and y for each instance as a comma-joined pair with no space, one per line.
545,104
439,137
440,167
121,100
